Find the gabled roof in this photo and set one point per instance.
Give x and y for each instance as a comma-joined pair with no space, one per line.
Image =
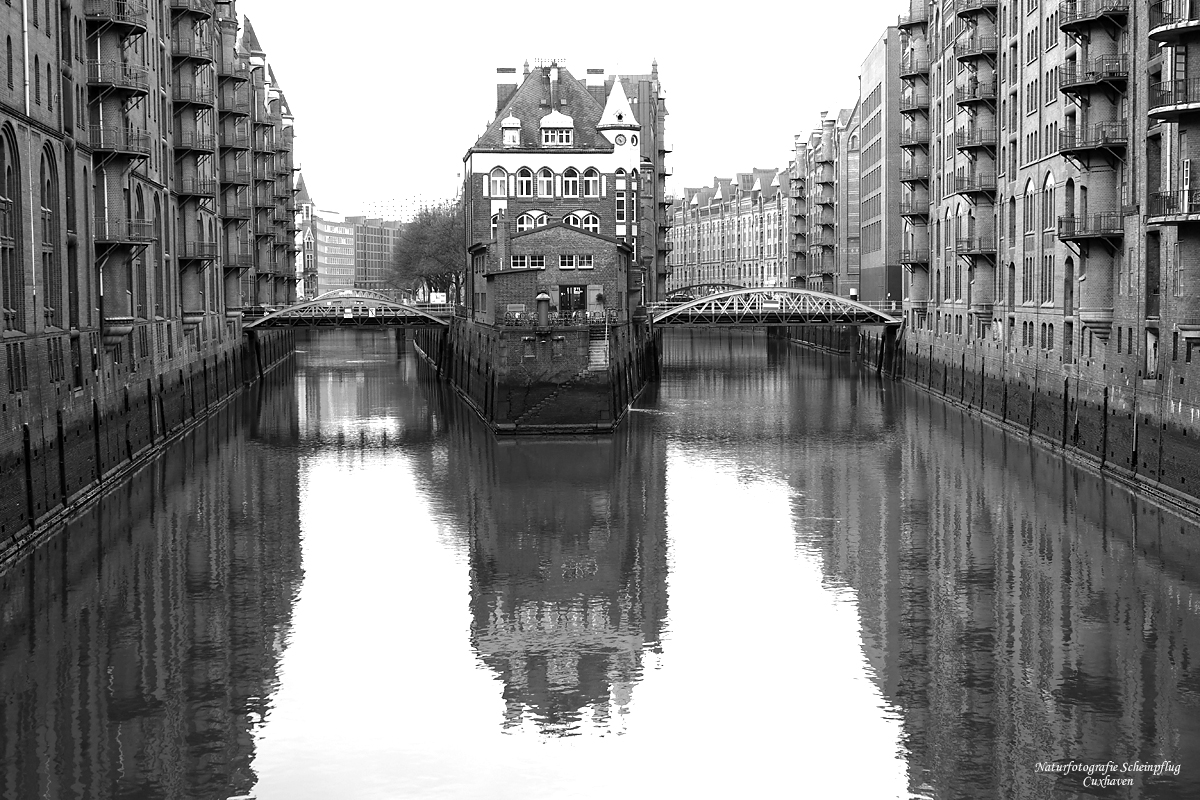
250,39
530,103
617,113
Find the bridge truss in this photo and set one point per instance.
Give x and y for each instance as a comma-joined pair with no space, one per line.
770,307
357,308
697,290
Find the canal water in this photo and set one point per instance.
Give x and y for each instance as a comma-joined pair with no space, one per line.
780,578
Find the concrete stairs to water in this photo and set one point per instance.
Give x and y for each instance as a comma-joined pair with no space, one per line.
597,349
532,412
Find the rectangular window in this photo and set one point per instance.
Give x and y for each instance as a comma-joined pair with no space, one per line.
566,262
537,262
583,262
520,262
620,207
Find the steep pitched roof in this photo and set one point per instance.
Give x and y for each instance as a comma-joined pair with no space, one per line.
250,39
531,102
302,195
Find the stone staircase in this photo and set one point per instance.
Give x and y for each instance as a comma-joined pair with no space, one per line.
598,349
532,412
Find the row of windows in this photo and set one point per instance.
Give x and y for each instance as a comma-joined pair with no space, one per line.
564,262
537,219
526,184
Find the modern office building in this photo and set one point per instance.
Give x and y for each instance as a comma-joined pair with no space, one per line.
375,243
880,103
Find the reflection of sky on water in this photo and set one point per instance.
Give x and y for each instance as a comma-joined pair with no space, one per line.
529,619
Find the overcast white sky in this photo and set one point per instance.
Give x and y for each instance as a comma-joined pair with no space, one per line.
388,96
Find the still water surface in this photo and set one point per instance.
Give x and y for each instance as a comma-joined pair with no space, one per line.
778,579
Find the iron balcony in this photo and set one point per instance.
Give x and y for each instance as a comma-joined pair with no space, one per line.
973,138
236,71
914,209
119,230
914,102
977,183
915,138
195,187
235,210
201,7
1171,208
182,47
1171,100
124,13
976,246
915,174
119,141
1077,16
117,75
238,177
235,140
916,19
1112,70
193,140
975,92
1109,225
968,7
1174,22
975,47
1110,136
913,67
198,251
915,256
190,93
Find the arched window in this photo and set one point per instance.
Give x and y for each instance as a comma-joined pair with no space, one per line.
49,89
591,183
12,275
571,182
8,60
531,220
37,78
591,223
545,183
499,183
160,274
573,220
495,225
1028,210
51,274
524,183
1048,202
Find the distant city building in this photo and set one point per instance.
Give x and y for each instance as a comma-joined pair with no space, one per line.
880,226
375,244
734,232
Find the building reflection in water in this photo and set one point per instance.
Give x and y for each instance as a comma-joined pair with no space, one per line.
568,566
1014,608
140,643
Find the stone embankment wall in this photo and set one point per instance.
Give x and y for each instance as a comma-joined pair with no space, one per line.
525,380
61,447
1148,437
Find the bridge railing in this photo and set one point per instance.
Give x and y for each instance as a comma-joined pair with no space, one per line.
561,319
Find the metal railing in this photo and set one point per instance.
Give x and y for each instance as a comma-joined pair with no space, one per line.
235,210
1166,204
1173,12
975,46
129,140
191,48
915,255
914,138
196,186
192,93
236,140
973,245
914,101
917,173
236,176
1174,93
194,140
1093,225
199,6
128,12
119,229
911,208
912,65
1098,70
978,182
974,91
976,5
917,17
1101,134
119,74
975,137
1075,11
198,250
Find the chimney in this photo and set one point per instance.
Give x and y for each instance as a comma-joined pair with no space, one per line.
554,86
506,86
595,85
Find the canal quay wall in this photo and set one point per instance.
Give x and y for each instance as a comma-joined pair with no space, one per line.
1144,433
552,380
61,446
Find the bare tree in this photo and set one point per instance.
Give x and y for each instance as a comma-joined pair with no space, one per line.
430,253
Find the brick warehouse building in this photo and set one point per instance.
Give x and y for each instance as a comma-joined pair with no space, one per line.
555,204
1053,250
145,199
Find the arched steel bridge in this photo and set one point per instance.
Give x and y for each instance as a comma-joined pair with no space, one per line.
697,290
770,307
355,308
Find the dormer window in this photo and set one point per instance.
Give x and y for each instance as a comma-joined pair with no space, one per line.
512,137
557,137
